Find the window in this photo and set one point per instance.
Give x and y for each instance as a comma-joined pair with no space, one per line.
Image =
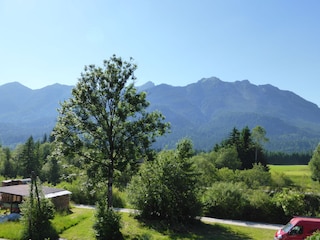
296,230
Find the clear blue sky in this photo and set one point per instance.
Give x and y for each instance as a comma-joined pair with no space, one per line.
175,42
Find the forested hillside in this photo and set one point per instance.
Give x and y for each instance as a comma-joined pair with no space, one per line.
205,111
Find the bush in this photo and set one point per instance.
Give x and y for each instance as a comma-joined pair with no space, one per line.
225,200
255,177
312,205
226,175
261,208
81,194
314,236
107,224
291,202
228,157
280,180
166,189
207,170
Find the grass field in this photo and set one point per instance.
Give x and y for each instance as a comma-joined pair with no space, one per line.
300,175
78,226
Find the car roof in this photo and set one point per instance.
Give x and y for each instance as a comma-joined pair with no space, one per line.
305,219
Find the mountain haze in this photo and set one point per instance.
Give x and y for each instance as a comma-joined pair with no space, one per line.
205,111
25,112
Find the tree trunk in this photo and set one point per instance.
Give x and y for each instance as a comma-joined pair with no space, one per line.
110,183
256,155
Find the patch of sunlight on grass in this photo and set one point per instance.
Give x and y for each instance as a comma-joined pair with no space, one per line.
11,230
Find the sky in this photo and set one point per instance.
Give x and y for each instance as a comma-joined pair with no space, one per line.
179,42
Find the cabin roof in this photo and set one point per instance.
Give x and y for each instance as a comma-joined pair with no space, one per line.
24,191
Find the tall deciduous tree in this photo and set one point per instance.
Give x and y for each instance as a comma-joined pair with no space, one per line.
259,137
106,122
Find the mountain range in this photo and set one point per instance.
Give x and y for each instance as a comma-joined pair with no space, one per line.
205,111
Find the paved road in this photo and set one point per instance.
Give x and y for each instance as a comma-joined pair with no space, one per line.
242,223
209,220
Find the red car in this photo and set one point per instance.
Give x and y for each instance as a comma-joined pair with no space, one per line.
298,228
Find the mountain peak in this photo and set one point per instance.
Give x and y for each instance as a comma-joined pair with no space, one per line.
212,80
146,86
13,86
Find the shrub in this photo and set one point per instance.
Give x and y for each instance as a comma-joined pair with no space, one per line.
228,157
314,236
225,200
312,205
255,177
226,175
261,208
280,180
107,223
291,202
207,170
166,189
81,194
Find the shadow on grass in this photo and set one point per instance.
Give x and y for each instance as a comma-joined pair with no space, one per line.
195,230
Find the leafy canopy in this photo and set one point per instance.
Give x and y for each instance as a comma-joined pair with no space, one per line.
314,164
105,124
168,187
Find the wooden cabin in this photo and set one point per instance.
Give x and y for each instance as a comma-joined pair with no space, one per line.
12,195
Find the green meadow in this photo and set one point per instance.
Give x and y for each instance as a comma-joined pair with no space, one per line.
299,176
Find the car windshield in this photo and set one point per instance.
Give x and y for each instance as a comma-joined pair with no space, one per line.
287,227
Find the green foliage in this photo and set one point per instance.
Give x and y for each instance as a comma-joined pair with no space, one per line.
51,171
108,223
80,191
314,236
29,158
259,137
228,157
37,212
312,205
206,168
185,148
8,166
253,178
256,177
234,200
225,200
291,202
166,189
280,180
227,175
106,123
261,208
248,147
315,164
83,193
